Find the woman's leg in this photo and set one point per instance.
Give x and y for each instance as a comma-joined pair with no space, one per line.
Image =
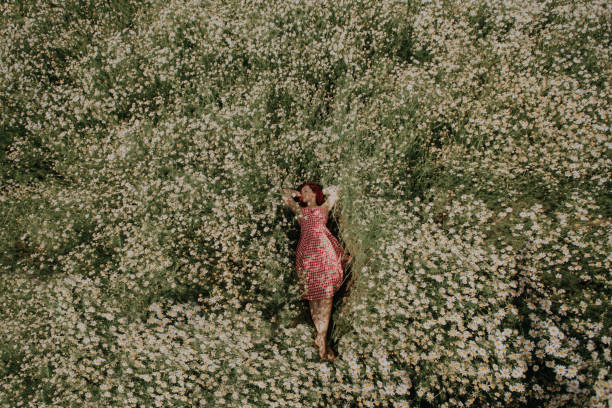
320,311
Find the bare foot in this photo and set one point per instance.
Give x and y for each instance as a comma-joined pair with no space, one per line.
329,355
324,353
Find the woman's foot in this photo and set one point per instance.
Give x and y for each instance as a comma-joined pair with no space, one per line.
329,355
325,353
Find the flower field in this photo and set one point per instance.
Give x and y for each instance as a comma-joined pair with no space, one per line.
147,258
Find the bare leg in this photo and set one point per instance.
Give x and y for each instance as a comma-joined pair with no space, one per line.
321,313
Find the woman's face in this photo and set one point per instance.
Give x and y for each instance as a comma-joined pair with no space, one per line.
308,196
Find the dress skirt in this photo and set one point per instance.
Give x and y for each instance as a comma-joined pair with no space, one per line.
319,255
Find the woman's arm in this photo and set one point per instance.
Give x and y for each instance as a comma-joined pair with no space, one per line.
332,197
288,199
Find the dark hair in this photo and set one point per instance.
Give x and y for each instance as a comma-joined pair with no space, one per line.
315,189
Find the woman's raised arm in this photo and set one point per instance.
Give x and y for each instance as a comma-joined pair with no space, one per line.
332,196
288,199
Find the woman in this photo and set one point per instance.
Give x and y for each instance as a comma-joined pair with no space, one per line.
320,260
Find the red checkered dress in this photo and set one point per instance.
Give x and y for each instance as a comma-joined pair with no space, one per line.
319,254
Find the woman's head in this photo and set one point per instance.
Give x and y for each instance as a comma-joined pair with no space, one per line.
307,189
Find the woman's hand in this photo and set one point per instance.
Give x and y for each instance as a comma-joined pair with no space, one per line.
287,193
331,190
291,193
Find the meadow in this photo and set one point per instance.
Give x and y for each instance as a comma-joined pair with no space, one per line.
147,258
